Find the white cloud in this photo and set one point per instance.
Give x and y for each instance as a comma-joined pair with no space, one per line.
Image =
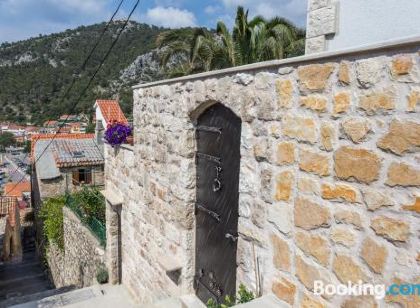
170,17
211,9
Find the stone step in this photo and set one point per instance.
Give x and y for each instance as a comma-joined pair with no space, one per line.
266,301
184,301
101,296
9,278
191,301
34,297
20,270
23,286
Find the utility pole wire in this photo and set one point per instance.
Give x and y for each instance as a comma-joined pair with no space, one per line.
83,66
94,75
91,79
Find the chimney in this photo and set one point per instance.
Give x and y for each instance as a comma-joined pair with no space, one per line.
99,132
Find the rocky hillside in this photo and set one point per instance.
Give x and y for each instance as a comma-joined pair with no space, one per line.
35,73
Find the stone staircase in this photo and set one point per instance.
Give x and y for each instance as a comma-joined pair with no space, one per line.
111,296
18,279
185,301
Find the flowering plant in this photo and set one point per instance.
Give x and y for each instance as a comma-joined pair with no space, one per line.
116,133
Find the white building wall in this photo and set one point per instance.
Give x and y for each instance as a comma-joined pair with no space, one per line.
359,22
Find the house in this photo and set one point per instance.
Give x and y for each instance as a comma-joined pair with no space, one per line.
64,164
30,131
108,111
334,25
274,175
68,118
64,129
17,130
21,191
78,127
49,127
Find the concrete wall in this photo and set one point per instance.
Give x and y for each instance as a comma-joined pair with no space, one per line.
329,175
340,24
83,255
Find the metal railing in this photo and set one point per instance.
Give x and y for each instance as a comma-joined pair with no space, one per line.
96,227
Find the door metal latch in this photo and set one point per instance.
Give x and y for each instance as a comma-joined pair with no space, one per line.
231,237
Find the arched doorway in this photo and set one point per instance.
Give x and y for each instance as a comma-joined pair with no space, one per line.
218,161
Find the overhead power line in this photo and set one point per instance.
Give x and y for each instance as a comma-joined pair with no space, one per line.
92,77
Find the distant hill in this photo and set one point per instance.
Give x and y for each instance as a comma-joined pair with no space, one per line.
34,73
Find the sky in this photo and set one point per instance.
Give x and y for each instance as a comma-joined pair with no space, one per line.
21,19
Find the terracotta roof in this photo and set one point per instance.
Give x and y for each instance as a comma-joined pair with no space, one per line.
111,111
16,126
16,189
34,139
32,128
50,123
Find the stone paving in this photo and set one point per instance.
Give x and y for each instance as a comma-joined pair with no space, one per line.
25,278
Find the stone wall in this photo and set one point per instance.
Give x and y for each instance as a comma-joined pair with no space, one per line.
59,186
321,24
83,255
329,175
2,230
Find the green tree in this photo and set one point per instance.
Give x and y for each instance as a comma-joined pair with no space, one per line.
250,41
52,215
27,146
6,139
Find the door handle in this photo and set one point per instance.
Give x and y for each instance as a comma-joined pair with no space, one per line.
231,237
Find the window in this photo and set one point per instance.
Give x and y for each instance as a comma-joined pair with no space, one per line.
82,176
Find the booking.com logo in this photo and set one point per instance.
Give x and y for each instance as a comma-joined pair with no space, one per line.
379,291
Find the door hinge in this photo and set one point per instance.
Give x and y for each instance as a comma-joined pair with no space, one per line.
210,129
209,157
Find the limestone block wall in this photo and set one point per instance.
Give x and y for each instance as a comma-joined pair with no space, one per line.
59,186
83,255
329,175
321,24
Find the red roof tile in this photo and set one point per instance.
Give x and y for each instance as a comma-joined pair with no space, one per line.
16,189
111,111
50,123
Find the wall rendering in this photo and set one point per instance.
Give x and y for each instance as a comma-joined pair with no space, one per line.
329,175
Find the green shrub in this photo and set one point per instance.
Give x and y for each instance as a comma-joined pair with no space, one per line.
52,215
244,296
91,202
102,275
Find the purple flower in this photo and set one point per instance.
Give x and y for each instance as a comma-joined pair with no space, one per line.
117,133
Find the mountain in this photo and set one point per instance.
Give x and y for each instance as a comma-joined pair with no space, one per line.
35,73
